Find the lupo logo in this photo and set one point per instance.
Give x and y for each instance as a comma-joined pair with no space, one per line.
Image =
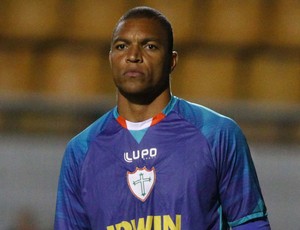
145,154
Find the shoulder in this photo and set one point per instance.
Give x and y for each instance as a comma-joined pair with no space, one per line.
204,118
217,129
78,146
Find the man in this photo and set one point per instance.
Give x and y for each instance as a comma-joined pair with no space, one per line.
156,161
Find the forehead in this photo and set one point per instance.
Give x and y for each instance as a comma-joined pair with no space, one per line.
141,27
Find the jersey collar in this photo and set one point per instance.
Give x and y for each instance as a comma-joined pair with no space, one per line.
145,124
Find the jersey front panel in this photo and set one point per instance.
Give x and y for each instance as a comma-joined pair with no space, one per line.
183,170
191,170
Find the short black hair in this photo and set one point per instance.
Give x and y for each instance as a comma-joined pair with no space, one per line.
150,13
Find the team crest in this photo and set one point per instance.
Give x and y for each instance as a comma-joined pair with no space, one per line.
141,182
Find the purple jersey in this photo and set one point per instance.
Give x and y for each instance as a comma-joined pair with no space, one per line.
186,168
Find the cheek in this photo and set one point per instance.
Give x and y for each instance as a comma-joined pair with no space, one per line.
114,58
115,65
162,67
156,64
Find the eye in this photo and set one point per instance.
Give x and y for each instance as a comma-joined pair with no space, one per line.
120,46
151,47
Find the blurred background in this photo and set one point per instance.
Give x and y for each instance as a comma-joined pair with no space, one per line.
241,58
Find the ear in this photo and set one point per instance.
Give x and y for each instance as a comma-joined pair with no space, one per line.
174,60
109,58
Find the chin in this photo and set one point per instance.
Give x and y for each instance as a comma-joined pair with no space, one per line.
142,97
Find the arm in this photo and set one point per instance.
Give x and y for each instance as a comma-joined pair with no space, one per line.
239,188
70,213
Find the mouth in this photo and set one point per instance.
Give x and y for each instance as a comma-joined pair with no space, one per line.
133,73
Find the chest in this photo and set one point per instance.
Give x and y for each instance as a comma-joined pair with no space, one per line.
166,170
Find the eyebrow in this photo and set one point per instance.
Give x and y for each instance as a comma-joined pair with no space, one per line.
143,41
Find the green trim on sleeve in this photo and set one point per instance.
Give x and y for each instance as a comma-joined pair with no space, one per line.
246,219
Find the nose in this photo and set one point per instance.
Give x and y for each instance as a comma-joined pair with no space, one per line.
134,54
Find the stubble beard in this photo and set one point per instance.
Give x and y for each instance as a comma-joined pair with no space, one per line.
145,96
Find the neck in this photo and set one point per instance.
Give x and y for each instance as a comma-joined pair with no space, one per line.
136,112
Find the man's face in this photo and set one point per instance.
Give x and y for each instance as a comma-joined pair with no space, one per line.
139,58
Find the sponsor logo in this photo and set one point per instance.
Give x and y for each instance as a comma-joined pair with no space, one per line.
150,223
144,154
141,182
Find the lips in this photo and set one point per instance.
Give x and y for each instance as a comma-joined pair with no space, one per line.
133,73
